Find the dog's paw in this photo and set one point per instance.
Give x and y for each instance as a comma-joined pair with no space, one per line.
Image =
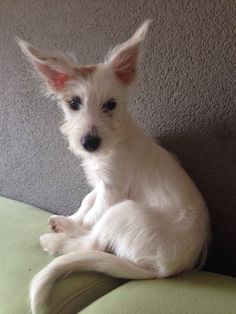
53,243
59,223
68,225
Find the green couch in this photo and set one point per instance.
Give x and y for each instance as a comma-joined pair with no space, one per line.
93,293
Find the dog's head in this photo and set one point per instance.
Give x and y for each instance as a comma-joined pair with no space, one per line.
93,97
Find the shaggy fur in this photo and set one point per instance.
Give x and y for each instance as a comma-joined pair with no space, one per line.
145,217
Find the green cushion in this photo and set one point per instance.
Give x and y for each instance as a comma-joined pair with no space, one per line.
21,258
195,293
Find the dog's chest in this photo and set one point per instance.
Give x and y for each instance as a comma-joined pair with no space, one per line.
109,170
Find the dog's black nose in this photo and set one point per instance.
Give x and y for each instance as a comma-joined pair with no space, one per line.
91,142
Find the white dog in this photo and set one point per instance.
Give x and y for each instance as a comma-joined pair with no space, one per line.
145,217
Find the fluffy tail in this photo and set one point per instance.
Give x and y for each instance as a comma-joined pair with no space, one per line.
82,260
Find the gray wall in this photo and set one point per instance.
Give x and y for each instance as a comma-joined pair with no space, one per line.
186,97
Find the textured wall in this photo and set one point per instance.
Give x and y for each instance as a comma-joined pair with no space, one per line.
186,97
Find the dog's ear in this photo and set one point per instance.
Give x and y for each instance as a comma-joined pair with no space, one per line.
124,58
55,69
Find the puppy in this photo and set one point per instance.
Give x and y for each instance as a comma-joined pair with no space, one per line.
144,217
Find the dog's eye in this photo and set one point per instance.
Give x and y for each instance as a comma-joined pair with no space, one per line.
109,105
75,103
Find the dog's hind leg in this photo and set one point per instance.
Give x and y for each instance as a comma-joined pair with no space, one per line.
166,241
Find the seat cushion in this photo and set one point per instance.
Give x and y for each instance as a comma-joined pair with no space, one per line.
21,258
195,293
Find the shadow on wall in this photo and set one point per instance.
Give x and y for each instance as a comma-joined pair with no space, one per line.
209,158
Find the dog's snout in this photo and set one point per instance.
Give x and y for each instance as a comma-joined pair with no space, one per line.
91,142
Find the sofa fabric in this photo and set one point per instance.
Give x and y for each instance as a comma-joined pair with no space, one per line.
195,293
185,96
21,258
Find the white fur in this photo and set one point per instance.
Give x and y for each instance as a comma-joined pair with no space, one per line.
144,209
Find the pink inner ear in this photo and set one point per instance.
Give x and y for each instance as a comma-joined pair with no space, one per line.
125,66
60,80
55,79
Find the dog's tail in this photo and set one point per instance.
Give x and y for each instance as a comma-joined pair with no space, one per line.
82,260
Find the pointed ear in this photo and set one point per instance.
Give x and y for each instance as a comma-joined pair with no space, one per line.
124,58
55,69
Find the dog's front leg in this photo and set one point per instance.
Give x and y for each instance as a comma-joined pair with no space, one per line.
106,197
86,205
70,225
